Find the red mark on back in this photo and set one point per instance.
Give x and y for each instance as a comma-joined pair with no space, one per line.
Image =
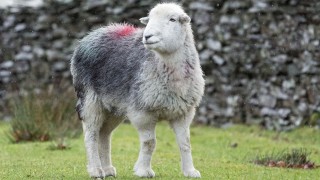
124,30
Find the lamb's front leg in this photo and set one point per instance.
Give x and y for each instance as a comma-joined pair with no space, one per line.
181,128
145,125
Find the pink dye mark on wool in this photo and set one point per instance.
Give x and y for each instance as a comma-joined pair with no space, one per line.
124,30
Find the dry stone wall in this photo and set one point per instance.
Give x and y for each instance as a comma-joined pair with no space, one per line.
261,58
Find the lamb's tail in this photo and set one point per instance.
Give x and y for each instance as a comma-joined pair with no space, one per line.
79,109
79,105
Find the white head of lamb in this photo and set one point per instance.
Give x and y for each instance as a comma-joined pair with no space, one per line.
167,28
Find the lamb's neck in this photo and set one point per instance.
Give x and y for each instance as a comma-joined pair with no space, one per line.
173,60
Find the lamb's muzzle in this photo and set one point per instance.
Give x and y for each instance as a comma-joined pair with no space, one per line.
120,71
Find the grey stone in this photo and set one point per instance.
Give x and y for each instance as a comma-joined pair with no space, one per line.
233,100
288,84
267,100
200,6
59,32
24,56
202,119
58,44
218,60
278,93
20,27
26,48
234,5
297,120
258,6
268,112
254,101
203,29
202,110
205,55
282,122
202,18
9,21
229,112
89,5
39,52
214,45
284,112
293,70
21,67
316,43
5,79
59,66
5,73
230,20
6,64
118,10
44,18
302,106
281,58
53,55
315,80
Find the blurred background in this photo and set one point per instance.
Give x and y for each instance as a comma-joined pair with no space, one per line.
261,58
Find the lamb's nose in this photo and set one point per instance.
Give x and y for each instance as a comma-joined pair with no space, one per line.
147,36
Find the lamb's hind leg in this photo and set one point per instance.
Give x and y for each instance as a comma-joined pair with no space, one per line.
145,124
92,119
108,126
182,131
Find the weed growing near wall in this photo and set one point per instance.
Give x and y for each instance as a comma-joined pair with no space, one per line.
44,115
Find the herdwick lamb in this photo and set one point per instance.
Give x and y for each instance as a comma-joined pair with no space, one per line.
146,75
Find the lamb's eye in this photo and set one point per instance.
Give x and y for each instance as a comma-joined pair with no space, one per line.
172,20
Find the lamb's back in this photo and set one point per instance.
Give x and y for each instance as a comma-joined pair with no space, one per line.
109,59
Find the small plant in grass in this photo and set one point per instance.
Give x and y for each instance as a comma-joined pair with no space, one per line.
44,115
296,158
59,144
314,119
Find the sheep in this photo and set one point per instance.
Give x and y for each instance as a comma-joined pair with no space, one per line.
141,74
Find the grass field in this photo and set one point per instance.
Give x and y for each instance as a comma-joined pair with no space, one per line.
214,153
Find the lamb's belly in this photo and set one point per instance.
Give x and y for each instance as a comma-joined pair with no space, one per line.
168,115
168,105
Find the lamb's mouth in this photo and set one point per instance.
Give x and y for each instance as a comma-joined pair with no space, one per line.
150,43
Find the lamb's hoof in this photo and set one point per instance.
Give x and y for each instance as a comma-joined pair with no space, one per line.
193,173
96,173
95,178
144,172
109,171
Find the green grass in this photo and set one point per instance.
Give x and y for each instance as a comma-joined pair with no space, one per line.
212,152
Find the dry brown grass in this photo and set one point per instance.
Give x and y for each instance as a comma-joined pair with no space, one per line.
43,115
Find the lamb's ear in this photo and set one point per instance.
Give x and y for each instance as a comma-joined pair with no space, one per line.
144,20
184,18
